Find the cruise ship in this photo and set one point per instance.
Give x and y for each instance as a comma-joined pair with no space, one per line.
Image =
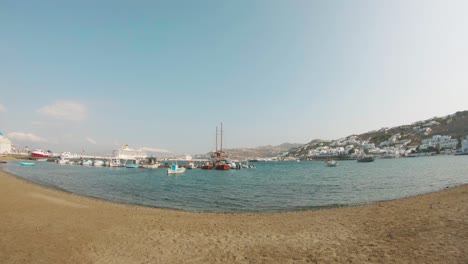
121,156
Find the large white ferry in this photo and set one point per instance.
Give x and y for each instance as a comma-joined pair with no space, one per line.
121,156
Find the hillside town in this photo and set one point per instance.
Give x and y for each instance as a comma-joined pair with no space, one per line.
417,139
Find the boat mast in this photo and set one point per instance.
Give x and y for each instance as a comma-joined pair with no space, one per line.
221,136
216,139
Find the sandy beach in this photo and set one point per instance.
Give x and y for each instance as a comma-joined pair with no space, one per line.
43,225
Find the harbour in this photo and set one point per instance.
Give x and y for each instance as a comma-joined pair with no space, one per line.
271,187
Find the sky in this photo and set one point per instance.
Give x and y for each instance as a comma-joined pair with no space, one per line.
92,76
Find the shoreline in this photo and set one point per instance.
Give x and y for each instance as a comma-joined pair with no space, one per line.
42,224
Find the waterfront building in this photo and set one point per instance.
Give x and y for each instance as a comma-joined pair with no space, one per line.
438,140
465,145
5,144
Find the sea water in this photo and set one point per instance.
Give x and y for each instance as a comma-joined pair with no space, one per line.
270,187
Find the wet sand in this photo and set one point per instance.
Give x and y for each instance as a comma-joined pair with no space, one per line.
43,225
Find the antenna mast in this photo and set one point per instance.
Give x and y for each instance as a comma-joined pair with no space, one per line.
221,136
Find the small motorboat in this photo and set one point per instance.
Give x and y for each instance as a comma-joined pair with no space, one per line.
87,163
151,166
191,165
331,163
207,166
175,169
98,163
27,164
223,165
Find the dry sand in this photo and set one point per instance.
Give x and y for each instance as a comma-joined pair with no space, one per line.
42,225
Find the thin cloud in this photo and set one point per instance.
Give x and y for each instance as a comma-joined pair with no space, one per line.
90,140
155,150
2,108
65,110
30,137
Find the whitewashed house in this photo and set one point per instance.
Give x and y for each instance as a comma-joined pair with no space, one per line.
438,140
465,145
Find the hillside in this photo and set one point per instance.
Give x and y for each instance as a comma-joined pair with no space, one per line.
260,152
411,135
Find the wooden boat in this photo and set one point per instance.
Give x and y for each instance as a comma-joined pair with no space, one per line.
27,164
219,158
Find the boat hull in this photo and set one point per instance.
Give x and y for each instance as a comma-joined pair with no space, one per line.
223,167
27,164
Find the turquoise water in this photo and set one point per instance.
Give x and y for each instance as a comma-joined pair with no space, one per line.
271,187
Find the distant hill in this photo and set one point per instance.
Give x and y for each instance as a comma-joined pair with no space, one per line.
454,125
260,152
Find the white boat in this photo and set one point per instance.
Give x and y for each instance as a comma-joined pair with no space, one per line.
150,166
62,161
191,165
132,164
87,163
331,163
115,162
98,163
175,169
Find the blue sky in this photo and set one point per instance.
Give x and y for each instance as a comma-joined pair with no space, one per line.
161,75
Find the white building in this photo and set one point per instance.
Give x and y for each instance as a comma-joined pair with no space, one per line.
465,145
438,140
5,144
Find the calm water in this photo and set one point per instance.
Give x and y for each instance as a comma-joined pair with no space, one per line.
281,186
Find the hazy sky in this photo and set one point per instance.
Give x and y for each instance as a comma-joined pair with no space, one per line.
95,75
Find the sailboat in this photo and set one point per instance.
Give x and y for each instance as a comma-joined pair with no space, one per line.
219,157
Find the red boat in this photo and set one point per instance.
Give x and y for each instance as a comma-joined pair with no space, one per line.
223,167
207,167
41,154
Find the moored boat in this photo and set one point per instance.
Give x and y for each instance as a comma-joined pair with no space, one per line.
191,165
331,163
365,159
38,153
219,157
98,163
87,163
223,165
27,164
207,166
175,169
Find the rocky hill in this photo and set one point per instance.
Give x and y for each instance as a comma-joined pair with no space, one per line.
260,152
